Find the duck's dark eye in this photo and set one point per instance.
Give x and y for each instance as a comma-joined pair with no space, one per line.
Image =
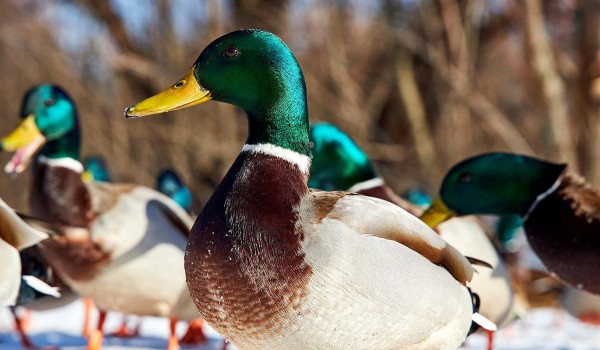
464,177
232,51
49,102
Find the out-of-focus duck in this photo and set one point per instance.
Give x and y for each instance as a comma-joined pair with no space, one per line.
23,277
560,211
15,235
95,169
125,243
169,183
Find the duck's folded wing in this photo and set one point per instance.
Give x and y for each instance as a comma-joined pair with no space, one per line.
173,211
15,231
105,196
379,218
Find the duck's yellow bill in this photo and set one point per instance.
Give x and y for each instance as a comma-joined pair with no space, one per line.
87,176
437,213
184,93
26,133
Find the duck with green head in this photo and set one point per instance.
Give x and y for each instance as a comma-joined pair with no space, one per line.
95,169
169,183
341,164
120,241
274,265
560,211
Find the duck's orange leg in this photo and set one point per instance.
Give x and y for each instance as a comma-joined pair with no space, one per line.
124,331
88,305
25,341
173,342
490,339
195,333
591,317
95,340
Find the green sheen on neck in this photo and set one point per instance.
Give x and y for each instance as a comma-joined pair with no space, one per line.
283,122
67,146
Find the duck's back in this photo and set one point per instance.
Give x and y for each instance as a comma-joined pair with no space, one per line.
564,231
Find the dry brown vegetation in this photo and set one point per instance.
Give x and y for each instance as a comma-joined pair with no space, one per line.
418,86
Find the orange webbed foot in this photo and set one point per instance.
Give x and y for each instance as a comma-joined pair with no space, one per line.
173,342
20,326
195,333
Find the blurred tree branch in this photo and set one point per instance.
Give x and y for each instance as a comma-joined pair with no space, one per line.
457,80
552,85
415,112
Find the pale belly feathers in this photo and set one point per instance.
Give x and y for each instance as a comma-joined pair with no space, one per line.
370,293
146,275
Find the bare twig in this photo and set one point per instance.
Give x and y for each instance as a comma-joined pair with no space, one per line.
553,88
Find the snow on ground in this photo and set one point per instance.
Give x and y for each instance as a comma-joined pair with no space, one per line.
546,329
542,329
62,327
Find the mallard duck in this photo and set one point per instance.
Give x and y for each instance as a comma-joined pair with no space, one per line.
21,280
560,210
124,244
95,169
40,289
170,184
274,265
340,164
15,235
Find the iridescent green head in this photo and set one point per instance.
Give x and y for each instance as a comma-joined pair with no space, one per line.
95,169
49,120
495,183
417,196
170,184
338,163
251,69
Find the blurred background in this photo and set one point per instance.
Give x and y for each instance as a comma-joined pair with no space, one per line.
418,84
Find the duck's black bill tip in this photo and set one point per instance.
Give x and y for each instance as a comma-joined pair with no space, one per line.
127,113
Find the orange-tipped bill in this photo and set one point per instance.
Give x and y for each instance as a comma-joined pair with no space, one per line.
437,213
26,141
185,93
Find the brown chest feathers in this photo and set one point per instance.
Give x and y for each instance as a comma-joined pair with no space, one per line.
244,262
59,195
78,259
564,230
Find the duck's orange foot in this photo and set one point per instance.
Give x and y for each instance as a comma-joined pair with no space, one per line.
20,326
125,332
592,318
95,340
195,333
490,339
88,305
173,342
